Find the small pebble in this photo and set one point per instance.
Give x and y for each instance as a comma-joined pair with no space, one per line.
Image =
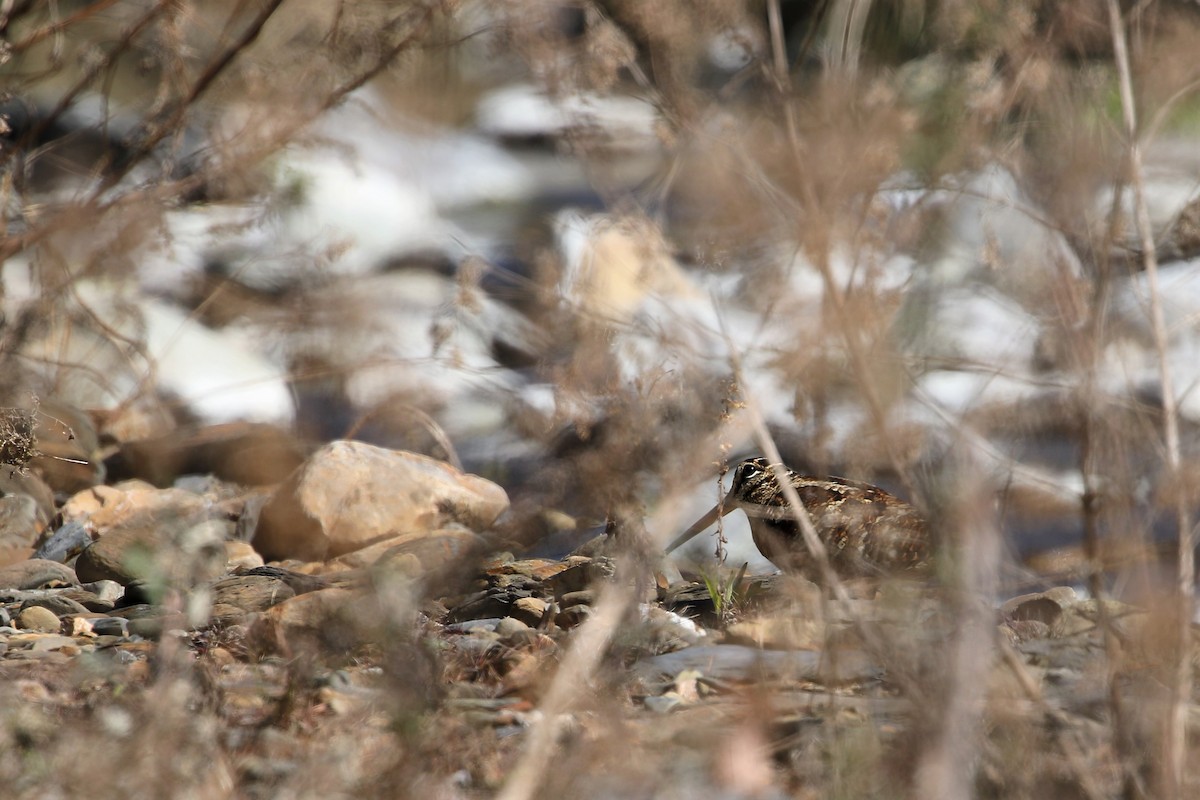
110,626
510,626
529,610
586,597
572,616
36,618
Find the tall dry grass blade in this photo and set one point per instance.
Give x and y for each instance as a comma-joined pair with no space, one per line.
590,641
851,17
847,23
1175,744
1091,465
947,761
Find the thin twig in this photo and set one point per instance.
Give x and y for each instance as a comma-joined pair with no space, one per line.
58,26
124,42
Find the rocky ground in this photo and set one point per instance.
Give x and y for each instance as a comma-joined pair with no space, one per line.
352,621
559,263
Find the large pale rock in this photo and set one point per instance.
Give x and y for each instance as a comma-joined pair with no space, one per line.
314,610
176,551
21,521
349,495
251,592
328,619
36,573
334,621
27,483
430,549
161,536
104,508
26,507
240,555
36,618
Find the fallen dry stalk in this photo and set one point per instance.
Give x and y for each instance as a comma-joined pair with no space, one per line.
851,21
590,641
947,763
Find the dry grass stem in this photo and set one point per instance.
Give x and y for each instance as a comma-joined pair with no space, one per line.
1175,746
574,676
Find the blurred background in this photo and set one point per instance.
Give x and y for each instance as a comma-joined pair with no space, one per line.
564,245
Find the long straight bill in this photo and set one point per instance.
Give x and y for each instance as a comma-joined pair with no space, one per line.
712,515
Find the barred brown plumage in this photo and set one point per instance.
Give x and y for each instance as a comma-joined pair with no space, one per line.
866,531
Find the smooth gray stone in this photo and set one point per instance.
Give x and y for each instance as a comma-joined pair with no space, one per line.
105,590
65,543
51,642
110,626
57,605
487,624
20,520
733,662
509,626
139,611
147,627
35,573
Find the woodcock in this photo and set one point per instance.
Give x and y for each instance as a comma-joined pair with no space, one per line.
866,531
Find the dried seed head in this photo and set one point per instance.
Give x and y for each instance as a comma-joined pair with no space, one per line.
18,436
18,445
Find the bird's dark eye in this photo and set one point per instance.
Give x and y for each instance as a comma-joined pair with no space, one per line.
748,471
